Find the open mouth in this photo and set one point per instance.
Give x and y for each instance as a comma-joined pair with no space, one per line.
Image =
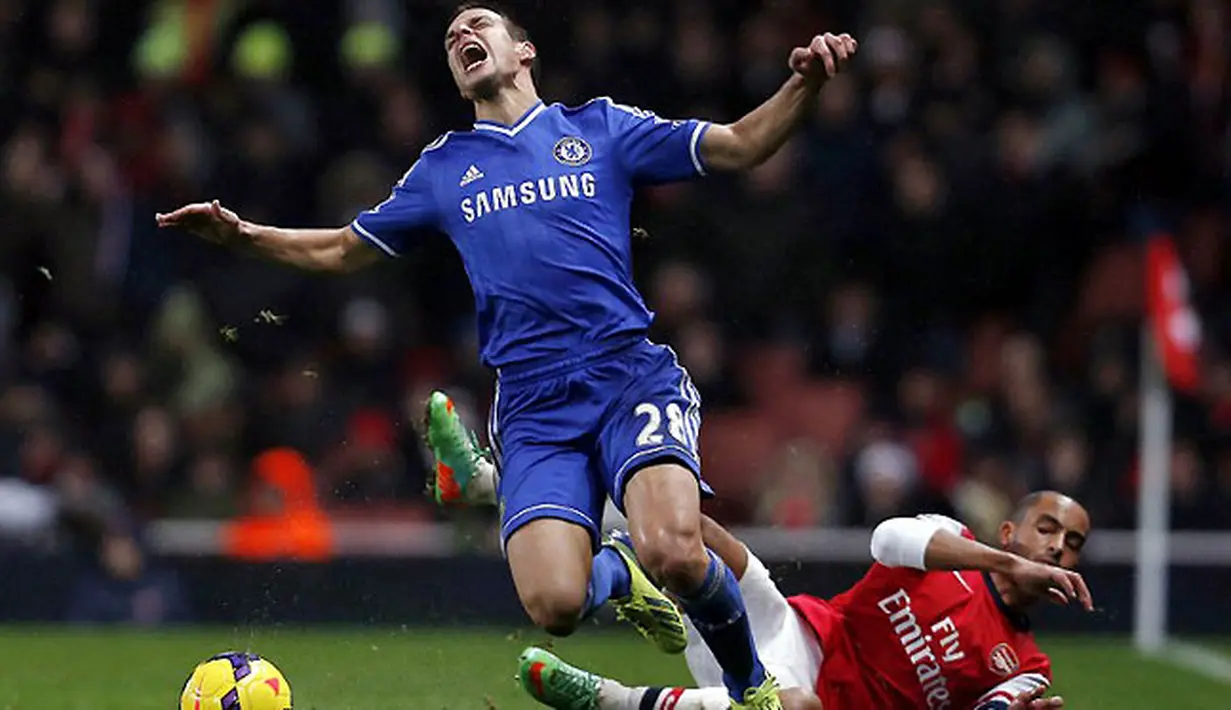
473,55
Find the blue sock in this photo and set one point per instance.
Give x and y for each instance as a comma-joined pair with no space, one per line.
609,579
717,610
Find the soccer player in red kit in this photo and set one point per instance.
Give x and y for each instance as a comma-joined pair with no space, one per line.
937,623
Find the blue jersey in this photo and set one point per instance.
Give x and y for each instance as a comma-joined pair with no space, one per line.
540,214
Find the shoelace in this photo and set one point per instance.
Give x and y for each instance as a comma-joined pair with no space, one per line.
573,682
754,697
478,453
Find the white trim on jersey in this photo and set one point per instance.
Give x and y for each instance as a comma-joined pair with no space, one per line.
694,142
545,506
366,234
1002,695
493,426
373,239
515,129
631,110
694,147
690,393
438,142
622,471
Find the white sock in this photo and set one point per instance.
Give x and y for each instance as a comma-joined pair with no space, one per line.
482,487
613,695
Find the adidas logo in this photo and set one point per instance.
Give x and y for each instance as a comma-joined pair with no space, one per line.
472,173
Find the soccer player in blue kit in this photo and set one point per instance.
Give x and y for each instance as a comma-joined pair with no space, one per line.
536,199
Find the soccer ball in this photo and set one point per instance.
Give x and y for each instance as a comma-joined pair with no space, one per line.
236,681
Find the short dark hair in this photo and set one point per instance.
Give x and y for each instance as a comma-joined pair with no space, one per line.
1025,505
516,29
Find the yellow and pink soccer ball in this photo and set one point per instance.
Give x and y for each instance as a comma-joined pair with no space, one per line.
236,681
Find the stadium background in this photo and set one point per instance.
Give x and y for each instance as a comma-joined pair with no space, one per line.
931,299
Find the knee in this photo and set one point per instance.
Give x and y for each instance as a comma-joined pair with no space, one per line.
799,699
675,557
555,608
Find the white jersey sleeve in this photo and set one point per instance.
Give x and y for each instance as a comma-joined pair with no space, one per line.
1002,696
903,542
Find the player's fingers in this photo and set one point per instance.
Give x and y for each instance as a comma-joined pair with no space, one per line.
1065,584
1083,591
798,61
838,47
820,50
224,215
852,45
177,220
1026,700
194,208
179,214
1057,596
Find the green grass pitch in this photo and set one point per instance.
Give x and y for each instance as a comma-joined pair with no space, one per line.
394,669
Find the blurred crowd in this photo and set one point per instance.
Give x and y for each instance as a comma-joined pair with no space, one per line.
930,298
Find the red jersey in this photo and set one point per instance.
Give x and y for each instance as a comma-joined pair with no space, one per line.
904,638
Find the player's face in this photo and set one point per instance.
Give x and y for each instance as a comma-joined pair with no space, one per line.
482,55
1053,531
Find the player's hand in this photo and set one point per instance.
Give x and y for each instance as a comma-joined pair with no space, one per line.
1034,700
824,57
1060,585
208,220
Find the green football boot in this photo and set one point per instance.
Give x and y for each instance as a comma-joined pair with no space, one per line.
650,611
762,697
555,683
458,456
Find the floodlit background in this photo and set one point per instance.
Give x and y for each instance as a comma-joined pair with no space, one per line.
934,298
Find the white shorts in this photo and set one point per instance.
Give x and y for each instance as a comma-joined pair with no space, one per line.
787,646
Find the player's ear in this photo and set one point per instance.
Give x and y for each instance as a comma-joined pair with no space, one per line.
527,52
1006,533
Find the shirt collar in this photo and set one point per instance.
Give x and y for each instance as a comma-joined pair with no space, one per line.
1019,620
498,127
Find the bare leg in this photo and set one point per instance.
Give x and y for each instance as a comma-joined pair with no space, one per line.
663,505
550,561
664,520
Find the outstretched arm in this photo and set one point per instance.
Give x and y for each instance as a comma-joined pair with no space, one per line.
934,542
334,250
754,138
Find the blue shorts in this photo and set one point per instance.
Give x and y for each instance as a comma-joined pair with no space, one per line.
567,439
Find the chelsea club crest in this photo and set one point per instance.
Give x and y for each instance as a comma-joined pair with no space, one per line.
572,151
